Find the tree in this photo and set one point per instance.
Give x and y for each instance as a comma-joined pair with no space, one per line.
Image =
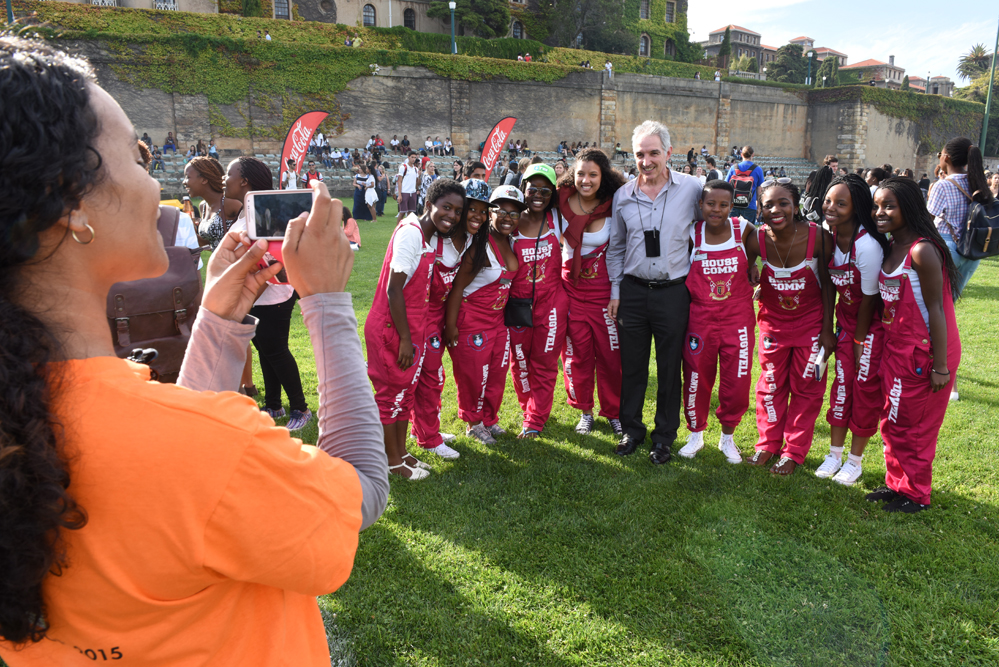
252,8
974,63
725,50
905,82
790,65
597,25
753,66
829,69
485,18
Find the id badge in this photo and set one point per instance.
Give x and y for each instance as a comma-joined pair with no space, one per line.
838,273
781,274
699,256
652,243
893,282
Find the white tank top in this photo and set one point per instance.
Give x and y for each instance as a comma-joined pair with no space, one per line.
917,291
488,274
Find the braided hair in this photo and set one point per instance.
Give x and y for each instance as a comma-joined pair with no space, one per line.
48,164
863,206
211,170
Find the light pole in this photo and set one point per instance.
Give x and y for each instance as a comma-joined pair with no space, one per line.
823,82
928,82
10,14
988,98
808,79
454,45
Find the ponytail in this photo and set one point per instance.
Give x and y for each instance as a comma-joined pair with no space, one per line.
48,163
963,153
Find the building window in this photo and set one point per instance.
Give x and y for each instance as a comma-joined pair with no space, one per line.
518,30
643,46
369,16
281,9
643,10
409,19
670,12
670,48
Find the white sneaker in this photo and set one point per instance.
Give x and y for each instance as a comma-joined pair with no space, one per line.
585,424
848,474
496,430
616,426
954,396
444,451
727,446
830,466
695,443
448,437
480,433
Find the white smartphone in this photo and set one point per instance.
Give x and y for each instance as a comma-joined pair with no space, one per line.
269,211
819,365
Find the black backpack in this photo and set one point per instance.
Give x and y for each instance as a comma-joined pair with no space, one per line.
980,236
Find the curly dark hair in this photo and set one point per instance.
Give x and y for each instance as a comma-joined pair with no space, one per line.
48,164
610,178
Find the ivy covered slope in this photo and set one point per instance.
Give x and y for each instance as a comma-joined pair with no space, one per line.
92,22
936,116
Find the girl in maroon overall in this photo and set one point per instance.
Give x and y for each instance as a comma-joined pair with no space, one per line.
586,194
855,398
476,335
795,320
722,325
447,258
922,345
393,330
534,351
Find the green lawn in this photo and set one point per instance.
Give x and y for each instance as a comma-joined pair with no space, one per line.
558,552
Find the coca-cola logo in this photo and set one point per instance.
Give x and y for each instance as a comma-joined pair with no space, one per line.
496,144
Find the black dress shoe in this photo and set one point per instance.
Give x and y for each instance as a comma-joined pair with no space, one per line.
660,453
627,446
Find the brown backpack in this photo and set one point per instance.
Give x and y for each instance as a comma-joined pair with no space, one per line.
158,312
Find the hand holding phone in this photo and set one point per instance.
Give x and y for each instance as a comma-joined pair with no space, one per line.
316,252
268,213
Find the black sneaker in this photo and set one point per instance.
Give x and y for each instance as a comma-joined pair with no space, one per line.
882,493
904,505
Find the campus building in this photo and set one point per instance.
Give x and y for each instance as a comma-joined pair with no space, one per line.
883,74
745,42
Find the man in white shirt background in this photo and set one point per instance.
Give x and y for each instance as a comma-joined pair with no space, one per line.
406,185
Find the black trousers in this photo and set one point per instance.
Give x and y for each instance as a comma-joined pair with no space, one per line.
276,361
645,314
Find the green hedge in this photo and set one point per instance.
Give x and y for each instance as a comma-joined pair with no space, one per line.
431,42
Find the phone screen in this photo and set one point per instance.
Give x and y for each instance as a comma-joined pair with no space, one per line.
272,212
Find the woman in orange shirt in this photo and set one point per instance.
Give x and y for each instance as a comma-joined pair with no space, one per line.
146,523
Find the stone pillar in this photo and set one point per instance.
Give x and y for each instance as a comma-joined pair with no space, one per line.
460,131
722,119
851,139
608,114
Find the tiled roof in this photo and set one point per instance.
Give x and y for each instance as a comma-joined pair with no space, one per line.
864,63
734,27
825,49
768,47
796,39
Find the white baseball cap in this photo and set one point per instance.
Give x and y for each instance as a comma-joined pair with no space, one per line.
508,193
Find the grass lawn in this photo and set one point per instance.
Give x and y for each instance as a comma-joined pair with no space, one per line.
558,552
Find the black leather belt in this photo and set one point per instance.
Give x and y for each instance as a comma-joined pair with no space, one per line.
655,284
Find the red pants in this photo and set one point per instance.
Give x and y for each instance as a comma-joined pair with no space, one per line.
426,414
534,353
911,423
786,371
856,399
709,344
394,387
479,362
592,342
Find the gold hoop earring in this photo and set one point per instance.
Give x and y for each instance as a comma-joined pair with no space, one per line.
93,235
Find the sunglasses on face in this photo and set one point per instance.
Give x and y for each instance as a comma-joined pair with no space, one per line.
500,214
544,192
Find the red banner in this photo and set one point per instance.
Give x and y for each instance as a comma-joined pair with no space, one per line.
496,142
296,144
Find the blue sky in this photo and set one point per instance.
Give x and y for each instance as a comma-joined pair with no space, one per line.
923,36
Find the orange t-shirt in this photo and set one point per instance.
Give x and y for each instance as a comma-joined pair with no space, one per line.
210,530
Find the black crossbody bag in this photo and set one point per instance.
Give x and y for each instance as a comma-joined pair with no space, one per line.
520,312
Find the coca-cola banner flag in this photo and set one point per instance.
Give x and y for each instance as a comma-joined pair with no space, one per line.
496,143
296,144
